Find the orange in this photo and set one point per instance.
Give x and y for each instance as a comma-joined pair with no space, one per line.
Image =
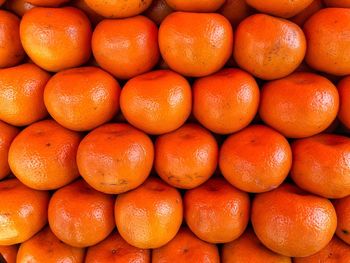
304,15
248,249
195,44
281,46
11,51
115,249
187,157
328,38
300,105
344,96
115,158
19,7
83,98
150,215
216,211
292,222
117,8
81,216
56,38
132,40
342,207
156,102
21,94
23,211
48,3
8,253
158,10
91,14
256,159
42,156
337,3
235,11
320,165
226,101
7,134
186,247
196,5
46,247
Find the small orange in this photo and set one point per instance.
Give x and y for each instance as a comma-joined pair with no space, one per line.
81,216
115,249
11,51
256,159
195,44
186,247
150,215
226,101
344,96
248,249
187,157
42,156
133,40
48,3
7,134
83,98
21,94
19,7
235,11
56,38
342,207
23,211
300,105
46,247
8,253
158,10
156,102
292,222
216,211
337,3
281,46
205,6
304,15
112,169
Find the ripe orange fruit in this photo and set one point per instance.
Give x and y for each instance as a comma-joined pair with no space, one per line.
342,207
48,3
292,222
216,211
190,48
7,134
117,8
21,94
23,212
337,3
256,159
226,101
81,216
186,247
329,26
46,247
248,248
235,11
11,52
132,40
344,96
304,15
150,215
8,253
295,107
115,249
187,157
112,169
42,156
56,38
320,165
205,6
19,7
281,45
82,98
158,10
91,14
156,102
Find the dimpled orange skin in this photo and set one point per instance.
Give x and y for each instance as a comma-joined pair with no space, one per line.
195,49
158,10
115,249
256,159
226,101
337,3
206,6
216,212
83,98
23,212
292,222
156,102
281,46
133,41
304,15
300,105
248,249
333,56
150,215
344,96
19,7
46,247
186,247
56,38
9,253
42,156
235,11
48,3
186,157
112,169
321,166
342,207
81,216
7,134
